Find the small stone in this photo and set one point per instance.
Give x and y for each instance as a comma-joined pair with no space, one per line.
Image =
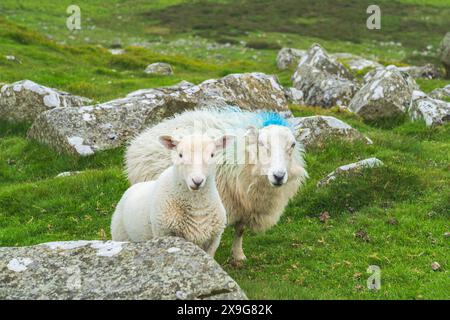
350,168
159,68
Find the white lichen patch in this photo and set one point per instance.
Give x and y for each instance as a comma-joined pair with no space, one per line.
82,149
378,93
173,250
19,264
51,100
108,248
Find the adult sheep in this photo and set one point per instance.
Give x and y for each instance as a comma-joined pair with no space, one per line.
255,183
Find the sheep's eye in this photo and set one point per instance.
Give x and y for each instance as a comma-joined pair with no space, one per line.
181,155
212,155
293,145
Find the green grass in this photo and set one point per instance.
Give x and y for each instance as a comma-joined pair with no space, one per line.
404,207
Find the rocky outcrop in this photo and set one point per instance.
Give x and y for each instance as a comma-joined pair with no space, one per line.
350,169
289,57
434,112
163,268
315,131
387,93
427,71
159,68
25,100
86,130
445,53
323,81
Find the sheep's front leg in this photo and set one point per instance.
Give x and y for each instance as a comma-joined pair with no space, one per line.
211,250
237,251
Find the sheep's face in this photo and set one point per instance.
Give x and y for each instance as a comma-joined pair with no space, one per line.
194,157
275,150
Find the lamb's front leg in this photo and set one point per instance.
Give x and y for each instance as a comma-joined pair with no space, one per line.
212,248
237,251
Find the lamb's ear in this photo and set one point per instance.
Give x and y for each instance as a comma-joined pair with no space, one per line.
168,141
224,141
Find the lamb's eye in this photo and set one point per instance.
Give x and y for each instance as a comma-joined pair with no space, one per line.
181,155
212,155
293,145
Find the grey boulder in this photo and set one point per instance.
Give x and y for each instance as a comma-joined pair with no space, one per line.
162,268
387,93
25,100
350,169
315,131
86,130
432,111
324,81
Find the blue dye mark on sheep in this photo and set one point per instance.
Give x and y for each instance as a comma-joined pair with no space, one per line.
272,118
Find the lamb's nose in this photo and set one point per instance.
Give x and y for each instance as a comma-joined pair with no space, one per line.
279,176
197,181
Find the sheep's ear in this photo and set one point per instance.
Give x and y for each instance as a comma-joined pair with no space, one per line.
168,141
224,141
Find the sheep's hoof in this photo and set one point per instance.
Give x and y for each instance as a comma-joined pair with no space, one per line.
238,261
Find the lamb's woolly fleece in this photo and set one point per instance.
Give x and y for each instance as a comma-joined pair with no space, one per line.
166,207
247,198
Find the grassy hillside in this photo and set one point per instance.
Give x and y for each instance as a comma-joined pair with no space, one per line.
394,217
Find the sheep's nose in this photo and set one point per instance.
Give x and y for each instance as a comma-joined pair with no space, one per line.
279,176
197,181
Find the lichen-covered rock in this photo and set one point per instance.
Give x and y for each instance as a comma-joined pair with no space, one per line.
317,57
386,94
25,100
323,81
427,71
159,68
163,268
349,169
445,53
440,93
288,57
314,131
85,130
432,111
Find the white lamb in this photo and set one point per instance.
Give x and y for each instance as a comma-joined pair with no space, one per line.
182,202
254,192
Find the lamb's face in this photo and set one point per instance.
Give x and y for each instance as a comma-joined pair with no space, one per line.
194,157
276,145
